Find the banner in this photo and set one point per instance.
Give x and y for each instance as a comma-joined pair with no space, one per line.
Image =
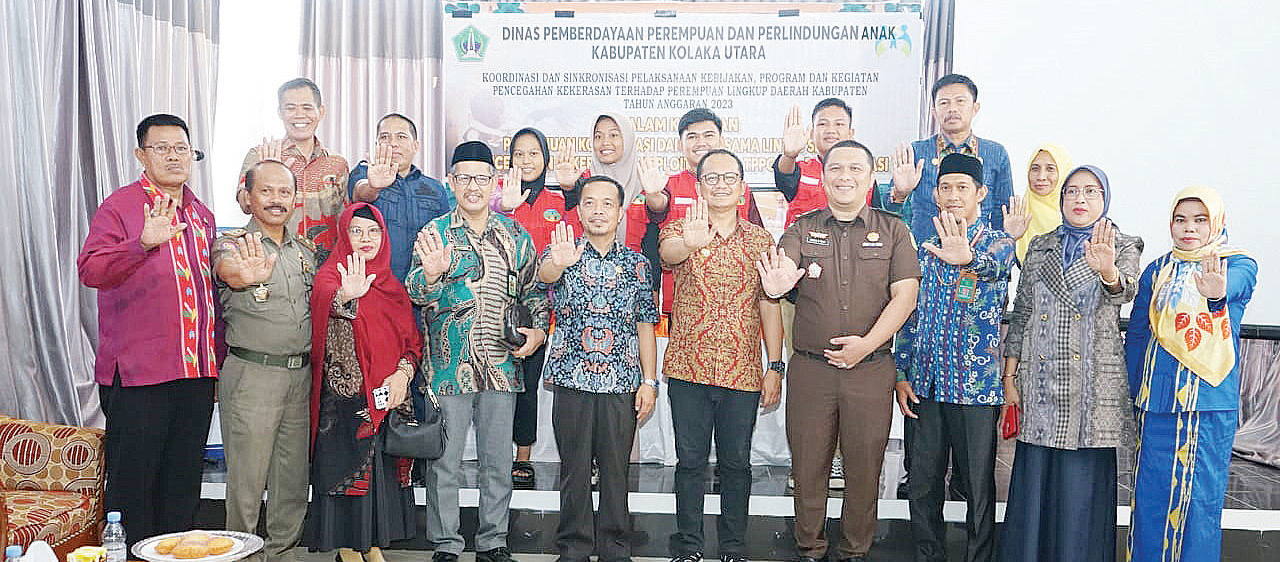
505,71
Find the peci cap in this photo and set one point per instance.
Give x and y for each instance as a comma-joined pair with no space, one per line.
472,151
956,163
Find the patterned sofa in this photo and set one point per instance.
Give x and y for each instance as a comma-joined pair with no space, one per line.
51,479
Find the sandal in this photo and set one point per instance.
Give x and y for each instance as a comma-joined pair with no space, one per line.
522,475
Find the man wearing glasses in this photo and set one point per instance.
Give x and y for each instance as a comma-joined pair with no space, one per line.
469,267
147,253
408,198
713,362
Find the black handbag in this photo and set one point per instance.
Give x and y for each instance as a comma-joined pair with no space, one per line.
404,436
516,316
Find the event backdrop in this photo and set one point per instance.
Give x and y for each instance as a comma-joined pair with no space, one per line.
561,66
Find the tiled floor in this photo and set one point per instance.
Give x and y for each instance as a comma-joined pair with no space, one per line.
1251,487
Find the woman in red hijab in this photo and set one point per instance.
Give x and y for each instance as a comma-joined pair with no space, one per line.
364,338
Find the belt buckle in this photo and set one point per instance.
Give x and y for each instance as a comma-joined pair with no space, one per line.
295,362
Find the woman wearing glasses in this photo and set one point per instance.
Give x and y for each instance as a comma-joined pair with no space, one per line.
1064,365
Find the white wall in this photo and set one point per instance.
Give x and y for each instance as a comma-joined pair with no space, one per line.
258,52
1159,94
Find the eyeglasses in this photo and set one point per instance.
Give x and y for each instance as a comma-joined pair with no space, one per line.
729,178
165,149
464,179
357,232
1090,193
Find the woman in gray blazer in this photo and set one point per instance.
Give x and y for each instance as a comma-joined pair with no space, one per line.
1064,366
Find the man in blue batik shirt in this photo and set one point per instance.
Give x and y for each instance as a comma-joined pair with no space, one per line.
949,364
407,198
602,365
915,165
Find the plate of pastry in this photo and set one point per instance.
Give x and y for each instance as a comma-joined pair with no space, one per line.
198,546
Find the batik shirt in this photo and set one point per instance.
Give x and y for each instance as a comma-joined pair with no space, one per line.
322,193
597,303
949,350
463,310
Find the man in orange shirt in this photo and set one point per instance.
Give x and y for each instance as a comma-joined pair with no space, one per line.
713,361
322,176
800,179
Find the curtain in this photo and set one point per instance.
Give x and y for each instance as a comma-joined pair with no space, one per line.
1258,438
939,44
76,78
371,59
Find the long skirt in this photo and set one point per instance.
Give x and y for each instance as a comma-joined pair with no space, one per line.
383,514
1062,506
1179,483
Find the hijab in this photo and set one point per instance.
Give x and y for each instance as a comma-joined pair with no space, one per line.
1180,316
1073,238
534,187
384,327
624,170
1046,210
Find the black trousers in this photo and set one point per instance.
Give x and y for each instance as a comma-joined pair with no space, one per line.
588,426
524,427
154,450
697,412
967,434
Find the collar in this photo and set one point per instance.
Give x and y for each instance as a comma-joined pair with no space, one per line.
255,226
613,247
456,220
864,215
316,152
945,142
411,174
150,189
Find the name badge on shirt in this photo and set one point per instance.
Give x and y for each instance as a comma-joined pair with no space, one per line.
873,244
966,287
817,238
512,285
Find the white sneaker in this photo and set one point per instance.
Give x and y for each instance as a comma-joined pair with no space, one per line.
836,481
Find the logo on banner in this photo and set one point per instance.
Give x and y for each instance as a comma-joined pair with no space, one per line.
470,44
898,40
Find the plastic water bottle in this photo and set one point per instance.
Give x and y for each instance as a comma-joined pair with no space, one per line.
13,553
113,538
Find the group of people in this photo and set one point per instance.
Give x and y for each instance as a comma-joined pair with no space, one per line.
354,292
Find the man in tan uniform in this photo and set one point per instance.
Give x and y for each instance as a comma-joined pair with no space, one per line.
264,275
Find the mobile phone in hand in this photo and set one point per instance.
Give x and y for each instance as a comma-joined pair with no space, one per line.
381,397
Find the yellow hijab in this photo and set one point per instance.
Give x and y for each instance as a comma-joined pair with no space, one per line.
1046,210
1180,316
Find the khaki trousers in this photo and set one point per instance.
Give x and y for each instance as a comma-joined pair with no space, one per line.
266,429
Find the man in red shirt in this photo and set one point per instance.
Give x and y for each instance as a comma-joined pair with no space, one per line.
800,179
700,132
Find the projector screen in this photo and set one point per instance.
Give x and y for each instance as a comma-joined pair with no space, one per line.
1159,94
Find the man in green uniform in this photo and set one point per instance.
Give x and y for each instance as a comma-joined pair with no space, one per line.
264,275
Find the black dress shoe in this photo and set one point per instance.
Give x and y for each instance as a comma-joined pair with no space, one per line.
444,557
810,559
854,559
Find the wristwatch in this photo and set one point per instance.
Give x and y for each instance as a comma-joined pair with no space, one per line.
778,366
651,382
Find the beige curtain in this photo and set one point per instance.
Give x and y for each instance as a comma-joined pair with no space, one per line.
371,59
76,78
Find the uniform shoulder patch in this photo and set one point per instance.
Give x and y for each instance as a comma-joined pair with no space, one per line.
306,243
234,233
